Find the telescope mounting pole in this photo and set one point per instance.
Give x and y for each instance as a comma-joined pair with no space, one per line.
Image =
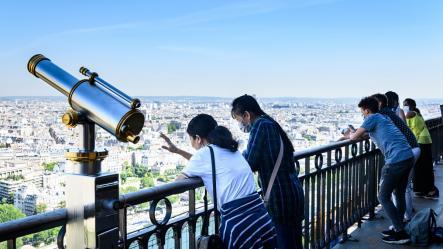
90,224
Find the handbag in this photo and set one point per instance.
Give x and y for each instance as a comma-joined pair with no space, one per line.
212,241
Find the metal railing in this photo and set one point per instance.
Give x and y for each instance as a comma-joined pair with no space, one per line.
340,182
12,230
435,127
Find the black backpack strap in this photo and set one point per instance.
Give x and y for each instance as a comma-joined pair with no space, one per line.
214,186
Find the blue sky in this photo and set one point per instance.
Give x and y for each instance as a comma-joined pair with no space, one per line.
300,48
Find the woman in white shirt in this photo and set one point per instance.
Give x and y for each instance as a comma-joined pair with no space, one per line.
245,222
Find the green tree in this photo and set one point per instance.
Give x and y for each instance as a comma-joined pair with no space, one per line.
173,126
41,208
173,198
7,213
140,171
147,182
128,189
198,196
44,237
128,169
123,177
15,177
49,166
61,204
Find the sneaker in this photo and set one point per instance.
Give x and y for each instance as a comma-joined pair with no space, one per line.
388,233
419,194
398,238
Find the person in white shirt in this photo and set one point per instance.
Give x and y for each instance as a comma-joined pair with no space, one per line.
245,223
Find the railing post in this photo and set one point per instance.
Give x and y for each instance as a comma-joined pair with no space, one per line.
308,220
344,184
122,213
192,224
90,224
12,244
372,181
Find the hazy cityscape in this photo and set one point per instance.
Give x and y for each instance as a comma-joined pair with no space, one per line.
33,141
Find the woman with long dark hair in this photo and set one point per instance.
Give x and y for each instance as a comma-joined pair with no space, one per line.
245,223
270,153
423,180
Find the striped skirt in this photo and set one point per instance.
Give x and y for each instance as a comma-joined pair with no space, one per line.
246,224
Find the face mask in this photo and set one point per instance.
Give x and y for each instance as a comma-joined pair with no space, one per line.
406,108
245,128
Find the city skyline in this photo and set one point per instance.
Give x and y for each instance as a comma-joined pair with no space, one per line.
322,48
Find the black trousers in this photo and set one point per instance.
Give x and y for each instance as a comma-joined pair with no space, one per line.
423,180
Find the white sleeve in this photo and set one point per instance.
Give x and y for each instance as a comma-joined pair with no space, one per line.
197,165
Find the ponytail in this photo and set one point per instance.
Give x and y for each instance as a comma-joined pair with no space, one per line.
222,137
205,126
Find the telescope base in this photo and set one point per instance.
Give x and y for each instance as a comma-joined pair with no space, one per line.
90,225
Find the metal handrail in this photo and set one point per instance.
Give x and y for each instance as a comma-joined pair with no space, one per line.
32,224
157,192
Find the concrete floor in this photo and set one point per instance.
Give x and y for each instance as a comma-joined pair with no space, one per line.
368,236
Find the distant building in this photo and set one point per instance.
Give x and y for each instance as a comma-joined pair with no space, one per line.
14,175
8,188
26,199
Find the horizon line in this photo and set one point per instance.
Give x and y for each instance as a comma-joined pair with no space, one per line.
206,96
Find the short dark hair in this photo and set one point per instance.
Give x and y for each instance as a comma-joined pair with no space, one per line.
393,99
412,105
370,103
382,99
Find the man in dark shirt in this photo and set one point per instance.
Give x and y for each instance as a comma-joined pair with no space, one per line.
401,125
410,137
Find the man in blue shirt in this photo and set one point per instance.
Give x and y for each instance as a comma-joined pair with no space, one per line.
399,160
410,137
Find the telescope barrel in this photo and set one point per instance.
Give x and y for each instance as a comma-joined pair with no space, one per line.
101,105
133,103
41,67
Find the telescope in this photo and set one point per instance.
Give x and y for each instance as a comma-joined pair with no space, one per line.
91,223
92,99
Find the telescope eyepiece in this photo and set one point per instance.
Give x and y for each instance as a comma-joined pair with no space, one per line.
135,103
132,137
32,63
84,71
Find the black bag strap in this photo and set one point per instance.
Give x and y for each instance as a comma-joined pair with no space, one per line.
205,217
205,199
214,187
